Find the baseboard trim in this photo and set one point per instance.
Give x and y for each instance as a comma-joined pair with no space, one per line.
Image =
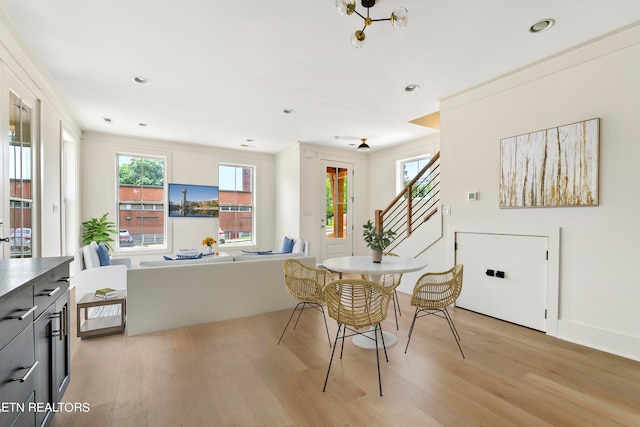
611,342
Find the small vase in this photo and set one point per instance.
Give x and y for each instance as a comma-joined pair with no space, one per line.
208,250
376,256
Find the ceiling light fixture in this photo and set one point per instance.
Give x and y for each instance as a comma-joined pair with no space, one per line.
347,7
542,25
288,111
364,147
411,87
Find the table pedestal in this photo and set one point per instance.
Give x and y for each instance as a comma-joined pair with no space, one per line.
369,344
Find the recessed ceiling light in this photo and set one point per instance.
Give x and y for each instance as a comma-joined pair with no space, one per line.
411,87
542,25
144,125
141,80
108,120
288,111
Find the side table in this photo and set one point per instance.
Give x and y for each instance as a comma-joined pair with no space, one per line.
113,322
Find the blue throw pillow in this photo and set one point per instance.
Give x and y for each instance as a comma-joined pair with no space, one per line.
103,254
287,245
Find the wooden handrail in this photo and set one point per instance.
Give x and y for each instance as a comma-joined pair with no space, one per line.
408,187
408,193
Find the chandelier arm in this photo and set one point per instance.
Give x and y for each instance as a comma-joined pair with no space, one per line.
382,19
359,14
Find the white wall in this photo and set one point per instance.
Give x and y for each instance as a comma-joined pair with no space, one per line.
186,164
287,195
598,285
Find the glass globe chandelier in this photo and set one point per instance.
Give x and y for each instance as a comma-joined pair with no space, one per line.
348,7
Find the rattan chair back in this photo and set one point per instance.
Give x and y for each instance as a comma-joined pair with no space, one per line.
392,280
303,282
357,303
438,290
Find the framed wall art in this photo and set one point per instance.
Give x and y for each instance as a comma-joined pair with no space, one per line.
552,167
187,200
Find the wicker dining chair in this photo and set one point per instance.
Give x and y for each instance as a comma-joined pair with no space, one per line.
305,284
392,280
357,304
433,293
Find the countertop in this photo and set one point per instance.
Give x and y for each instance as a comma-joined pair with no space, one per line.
14,273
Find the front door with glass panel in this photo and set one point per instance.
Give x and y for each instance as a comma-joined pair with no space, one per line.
18,214
336,221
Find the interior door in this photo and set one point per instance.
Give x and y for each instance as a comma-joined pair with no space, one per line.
337,219
18,172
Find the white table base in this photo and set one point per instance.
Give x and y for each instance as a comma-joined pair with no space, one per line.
369,344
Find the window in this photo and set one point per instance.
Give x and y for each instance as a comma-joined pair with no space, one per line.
410,168
337,201
20,177
141,202
235,190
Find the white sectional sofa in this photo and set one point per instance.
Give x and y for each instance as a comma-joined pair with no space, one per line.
90,275
177,294
300,249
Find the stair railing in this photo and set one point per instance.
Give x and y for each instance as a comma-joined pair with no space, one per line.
414,205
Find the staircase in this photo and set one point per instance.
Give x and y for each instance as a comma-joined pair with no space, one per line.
414,214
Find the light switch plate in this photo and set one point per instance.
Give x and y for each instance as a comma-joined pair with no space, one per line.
446,210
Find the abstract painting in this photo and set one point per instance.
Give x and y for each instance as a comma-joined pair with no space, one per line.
552,167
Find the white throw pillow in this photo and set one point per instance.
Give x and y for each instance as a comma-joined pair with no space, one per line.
91,258
298,245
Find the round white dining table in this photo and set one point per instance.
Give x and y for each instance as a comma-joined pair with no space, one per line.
364,265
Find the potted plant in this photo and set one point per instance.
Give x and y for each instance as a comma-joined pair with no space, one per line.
376,239
99,230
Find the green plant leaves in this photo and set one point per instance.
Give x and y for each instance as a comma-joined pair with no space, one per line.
99,230
376,240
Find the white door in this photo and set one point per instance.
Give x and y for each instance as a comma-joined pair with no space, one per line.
19,129
505,276
336,220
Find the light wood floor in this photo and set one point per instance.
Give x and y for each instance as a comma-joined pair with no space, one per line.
232,373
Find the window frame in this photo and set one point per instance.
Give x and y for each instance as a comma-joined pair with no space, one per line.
227,208
400,183
164,245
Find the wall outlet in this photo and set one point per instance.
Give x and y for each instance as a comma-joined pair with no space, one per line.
446,210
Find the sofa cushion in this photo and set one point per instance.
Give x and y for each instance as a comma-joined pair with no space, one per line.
287,244
90,255
298,245
103,254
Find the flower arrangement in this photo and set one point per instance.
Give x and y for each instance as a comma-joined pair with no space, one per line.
208,241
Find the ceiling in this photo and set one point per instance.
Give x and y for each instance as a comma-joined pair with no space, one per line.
223,72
